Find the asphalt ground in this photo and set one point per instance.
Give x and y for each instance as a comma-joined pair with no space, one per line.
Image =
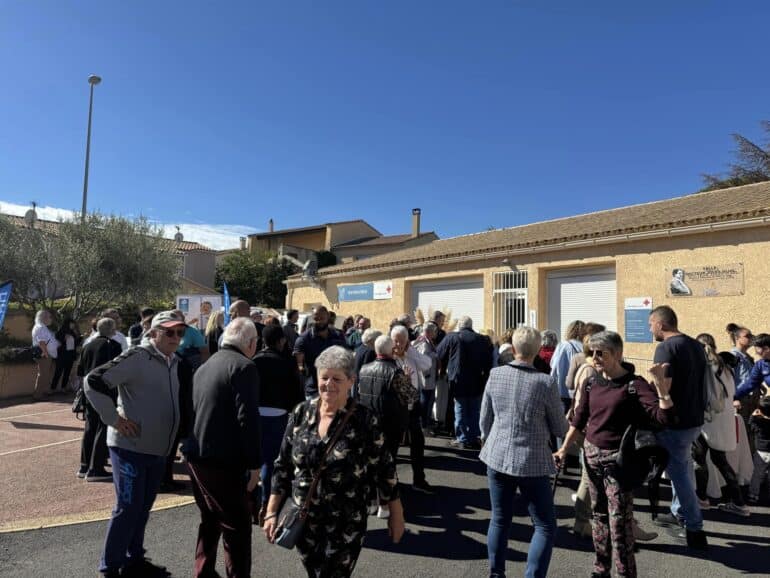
446,533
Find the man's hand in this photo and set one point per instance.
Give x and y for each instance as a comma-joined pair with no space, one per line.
253,480
127,428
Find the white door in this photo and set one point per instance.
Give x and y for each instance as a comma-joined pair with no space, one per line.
585,294
461,297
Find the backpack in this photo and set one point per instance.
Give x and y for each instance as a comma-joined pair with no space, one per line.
78,404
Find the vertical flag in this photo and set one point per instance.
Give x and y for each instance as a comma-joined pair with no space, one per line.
227,303
5,298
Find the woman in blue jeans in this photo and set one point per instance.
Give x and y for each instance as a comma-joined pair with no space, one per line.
520,412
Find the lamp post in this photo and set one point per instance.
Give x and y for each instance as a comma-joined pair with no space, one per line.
93,80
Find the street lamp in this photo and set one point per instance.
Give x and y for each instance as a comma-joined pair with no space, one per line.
93,80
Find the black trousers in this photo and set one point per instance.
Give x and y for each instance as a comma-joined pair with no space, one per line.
699,451
93,448
64,364
416,444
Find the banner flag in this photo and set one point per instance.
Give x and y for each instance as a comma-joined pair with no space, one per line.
227,303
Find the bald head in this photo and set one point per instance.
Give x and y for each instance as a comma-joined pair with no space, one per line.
240,309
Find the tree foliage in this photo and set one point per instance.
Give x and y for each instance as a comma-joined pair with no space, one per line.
256,277
752,163
82,267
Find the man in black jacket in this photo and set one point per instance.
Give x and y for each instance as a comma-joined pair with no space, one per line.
224,450
468,360
279,393
93,449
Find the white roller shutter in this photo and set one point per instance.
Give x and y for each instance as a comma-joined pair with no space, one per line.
462,297
588,295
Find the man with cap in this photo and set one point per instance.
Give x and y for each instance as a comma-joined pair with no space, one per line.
141,431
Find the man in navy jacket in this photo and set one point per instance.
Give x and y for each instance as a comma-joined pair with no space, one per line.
467,357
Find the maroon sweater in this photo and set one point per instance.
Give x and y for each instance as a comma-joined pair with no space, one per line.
608,409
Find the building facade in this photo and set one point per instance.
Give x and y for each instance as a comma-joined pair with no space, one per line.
705,254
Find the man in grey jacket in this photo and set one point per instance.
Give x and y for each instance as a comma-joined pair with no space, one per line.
141,433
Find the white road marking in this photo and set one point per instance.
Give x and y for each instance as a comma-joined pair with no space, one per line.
40,447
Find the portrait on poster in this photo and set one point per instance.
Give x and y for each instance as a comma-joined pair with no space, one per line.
705,281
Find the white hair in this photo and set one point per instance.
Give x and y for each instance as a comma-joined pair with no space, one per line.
106,327
383,345
430,328
465,322
337,357
40,315
239,333
369,336
399,330
526,341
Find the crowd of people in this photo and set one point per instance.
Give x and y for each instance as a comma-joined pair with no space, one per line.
297,430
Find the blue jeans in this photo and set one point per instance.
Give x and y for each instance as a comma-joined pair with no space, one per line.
137,478
681,472
467,415
427,397
273,429
537,492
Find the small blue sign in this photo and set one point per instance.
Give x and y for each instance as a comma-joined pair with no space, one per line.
362,292
637,326
5,299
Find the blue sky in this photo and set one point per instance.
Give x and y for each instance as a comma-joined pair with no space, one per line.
484,114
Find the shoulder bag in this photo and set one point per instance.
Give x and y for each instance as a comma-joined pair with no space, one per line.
291,519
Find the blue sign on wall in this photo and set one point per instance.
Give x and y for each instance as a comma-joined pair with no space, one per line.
5,298
362,292
637,326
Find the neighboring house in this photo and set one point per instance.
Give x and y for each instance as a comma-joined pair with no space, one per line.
347,240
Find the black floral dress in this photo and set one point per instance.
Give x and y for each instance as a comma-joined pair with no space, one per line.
358,465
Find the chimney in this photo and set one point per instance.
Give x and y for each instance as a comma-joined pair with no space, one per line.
243,243
270,227
415,223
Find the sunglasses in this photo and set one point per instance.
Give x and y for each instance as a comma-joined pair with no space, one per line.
173,332
597,353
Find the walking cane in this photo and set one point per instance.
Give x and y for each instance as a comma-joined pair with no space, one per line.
559,469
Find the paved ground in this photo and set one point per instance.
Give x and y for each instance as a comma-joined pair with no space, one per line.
446,533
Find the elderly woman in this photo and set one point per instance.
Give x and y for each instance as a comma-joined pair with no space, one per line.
336,522
608,404
520,412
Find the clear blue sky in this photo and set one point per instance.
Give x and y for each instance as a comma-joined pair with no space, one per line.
491,113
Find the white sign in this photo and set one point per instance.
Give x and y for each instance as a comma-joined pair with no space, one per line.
198,308
533,317
383,290
638,303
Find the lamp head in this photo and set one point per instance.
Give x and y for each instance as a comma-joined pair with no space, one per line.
93,80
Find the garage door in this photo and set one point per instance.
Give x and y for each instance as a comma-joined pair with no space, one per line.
585,294
462,297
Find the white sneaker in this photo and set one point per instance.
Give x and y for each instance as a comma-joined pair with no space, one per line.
383,512
731,508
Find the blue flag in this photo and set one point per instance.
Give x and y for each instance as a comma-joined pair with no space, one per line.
5,299
227,304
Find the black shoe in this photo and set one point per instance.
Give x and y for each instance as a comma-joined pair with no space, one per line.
81,473
98,476
668,521
424,487
696,539
471,446
145,569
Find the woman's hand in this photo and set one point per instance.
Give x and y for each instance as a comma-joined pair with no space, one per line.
253,480
560,456
269,527
396,521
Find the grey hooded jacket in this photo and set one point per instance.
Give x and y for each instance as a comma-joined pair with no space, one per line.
148,394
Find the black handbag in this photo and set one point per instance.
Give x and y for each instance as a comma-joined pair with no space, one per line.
292,517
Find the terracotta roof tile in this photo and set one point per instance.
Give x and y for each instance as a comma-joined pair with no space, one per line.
698,208
384,240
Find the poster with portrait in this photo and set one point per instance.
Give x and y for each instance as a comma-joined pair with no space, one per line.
705,280
198,308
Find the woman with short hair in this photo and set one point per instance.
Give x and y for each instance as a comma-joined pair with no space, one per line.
520,411
610,402
336,522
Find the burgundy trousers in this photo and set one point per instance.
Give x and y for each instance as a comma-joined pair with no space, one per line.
221,497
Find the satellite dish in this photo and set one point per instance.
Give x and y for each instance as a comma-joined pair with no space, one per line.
178,237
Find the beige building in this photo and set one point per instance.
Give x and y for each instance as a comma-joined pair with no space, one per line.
705,254
348,240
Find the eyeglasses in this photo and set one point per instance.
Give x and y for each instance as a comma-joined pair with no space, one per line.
174,332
